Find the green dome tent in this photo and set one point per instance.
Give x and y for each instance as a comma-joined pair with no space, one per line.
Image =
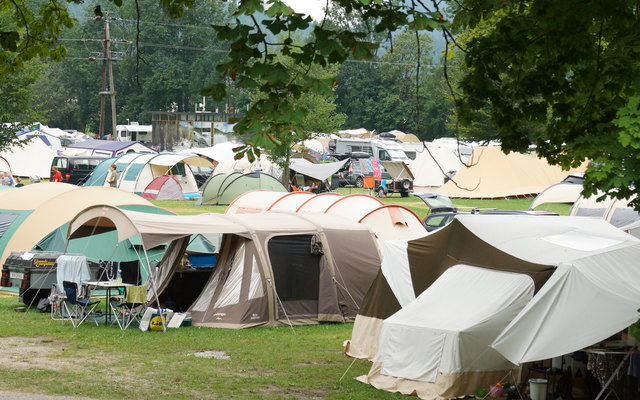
222,189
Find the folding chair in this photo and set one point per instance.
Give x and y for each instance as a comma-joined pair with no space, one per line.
129,310
56,298
77,305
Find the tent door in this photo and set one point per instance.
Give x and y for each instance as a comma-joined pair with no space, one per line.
296,273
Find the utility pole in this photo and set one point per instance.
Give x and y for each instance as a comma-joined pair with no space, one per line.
107,69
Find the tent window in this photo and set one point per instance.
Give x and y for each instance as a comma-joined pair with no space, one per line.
133,172
623,216
5,222
178,169
255,286
231,292
296,271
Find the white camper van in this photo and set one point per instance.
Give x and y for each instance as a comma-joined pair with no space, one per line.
134,131
383,150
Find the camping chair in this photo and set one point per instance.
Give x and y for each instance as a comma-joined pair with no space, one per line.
56,298
129,310
77,305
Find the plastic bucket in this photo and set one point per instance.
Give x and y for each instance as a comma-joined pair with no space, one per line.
538,389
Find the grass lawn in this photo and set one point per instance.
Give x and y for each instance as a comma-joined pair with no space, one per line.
44,356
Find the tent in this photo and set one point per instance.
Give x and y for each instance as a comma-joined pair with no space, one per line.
32,159
616,211
223,158
107,148
491,174
433,164
224,188
4,165
278,269
165,187
256,201
584,270
438,345
137,170
386,222
32,212
567,191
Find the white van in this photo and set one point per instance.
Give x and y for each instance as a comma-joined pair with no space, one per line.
383,150
134,131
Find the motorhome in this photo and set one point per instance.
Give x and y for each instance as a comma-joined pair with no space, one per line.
134,131
383,150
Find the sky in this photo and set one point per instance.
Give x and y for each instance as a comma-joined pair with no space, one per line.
309,7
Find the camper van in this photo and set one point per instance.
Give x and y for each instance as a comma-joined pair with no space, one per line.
383,150
134,131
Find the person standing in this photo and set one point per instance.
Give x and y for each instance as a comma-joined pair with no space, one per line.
56,176
112,177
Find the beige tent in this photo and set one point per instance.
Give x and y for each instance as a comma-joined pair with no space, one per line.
615,211
491,174
41,208
431,165
385,222
440,338
279,269
256,201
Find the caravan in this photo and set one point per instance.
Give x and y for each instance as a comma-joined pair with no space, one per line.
135,132
383,150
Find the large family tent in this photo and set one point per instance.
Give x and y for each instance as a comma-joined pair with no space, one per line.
616,211
278,269
31,213
222,189
386,222
438,345
137,170
491,174
32,159
432,164
584,270
257,201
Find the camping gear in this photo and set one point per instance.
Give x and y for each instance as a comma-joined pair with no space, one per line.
584,269
296,269
538,389
164,187
492,174
222,189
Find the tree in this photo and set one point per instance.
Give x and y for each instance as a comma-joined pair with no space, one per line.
560,74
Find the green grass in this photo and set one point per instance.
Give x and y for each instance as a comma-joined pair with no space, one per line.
265,363
44,356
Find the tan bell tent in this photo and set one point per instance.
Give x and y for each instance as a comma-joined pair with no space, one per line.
279,269
586,289
491,174
33,211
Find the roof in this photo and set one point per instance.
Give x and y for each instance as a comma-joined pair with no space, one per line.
109,145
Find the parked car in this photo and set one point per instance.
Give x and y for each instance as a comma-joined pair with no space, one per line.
75,170
443,212
400,179
355,171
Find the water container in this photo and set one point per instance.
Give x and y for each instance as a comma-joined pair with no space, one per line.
538,389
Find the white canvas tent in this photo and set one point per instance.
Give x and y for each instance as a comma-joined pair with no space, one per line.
432,165
585,271
33,159
438,345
